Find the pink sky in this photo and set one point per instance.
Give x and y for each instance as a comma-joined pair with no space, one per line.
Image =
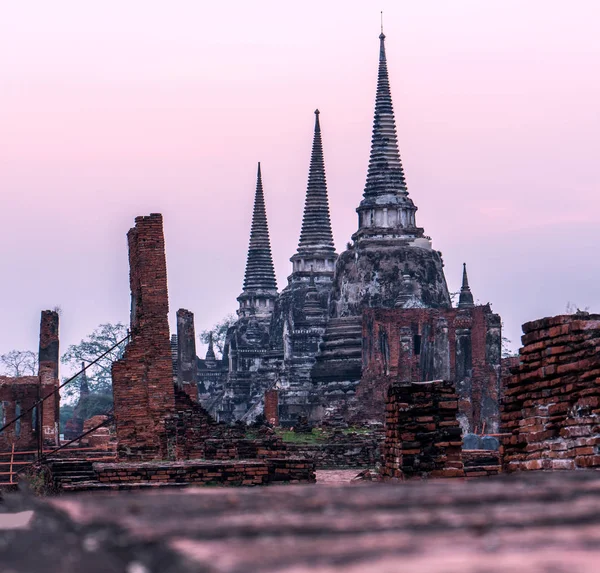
114,109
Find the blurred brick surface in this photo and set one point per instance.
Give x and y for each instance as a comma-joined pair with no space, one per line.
534,522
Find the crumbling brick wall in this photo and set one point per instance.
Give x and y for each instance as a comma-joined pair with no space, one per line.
551,404
187,428
143,379
422,435
49,380
420,344
17,395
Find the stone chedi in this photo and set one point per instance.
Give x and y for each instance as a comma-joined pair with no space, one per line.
248,342
309,341
388,239
300,314
260,286
390,262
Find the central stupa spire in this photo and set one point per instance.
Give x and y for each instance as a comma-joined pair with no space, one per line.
385,174
386,209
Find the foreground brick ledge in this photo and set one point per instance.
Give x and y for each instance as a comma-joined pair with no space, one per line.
534,522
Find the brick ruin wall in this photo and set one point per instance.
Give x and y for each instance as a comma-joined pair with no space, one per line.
102,437
16,396
423,437
231,473
49,380
413,345
350,453
155,418
143,379
551,405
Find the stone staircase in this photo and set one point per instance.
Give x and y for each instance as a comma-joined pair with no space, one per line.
70,471
340,353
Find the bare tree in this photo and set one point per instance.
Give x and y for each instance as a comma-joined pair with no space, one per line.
103,338
19,363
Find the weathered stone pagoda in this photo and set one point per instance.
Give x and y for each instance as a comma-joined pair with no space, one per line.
308,342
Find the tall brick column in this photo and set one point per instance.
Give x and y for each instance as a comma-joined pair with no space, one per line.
143,379
48,372
187,370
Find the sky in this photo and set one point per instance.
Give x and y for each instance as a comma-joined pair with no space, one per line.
112,109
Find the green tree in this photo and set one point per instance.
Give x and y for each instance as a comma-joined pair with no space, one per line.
94,404
19,363
66,413
219,333
103,339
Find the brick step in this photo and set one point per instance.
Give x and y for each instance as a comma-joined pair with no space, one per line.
74,476
97,486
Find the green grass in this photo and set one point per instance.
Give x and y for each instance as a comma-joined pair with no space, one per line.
316,436
356,431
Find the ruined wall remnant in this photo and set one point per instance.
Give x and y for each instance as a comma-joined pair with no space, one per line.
17,395
420,344
423,437
143,379
551,404
48,372
187,367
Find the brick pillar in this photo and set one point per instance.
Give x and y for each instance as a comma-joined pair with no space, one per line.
422,435
187,370
468,401
48,372
272,407
143,379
